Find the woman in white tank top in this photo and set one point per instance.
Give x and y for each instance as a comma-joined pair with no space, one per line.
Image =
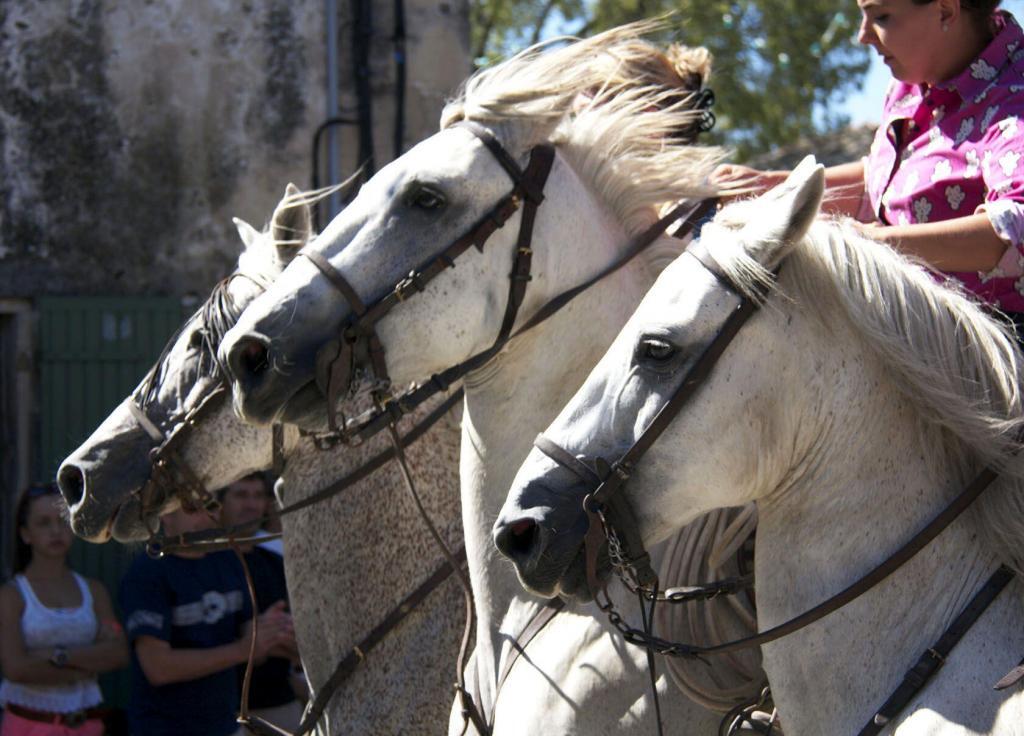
57,629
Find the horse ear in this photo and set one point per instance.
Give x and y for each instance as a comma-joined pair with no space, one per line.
807,183
246,232
792,207
291,224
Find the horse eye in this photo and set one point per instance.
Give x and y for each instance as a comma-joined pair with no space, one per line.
425,198
195,340
657,351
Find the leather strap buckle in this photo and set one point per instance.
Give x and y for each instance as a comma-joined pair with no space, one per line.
410,284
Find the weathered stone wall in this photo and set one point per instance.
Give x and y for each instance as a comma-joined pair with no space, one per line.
132,131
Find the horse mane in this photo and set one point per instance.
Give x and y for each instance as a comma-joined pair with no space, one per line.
623,113
958,366
214,318
261,263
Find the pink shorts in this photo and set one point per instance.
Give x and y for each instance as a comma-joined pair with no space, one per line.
17,726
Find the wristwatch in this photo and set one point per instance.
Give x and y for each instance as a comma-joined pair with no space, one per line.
59,658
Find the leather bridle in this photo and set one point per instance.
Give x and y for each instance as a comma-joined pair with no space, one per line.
171,475
607,479
339,359
611,523
358,343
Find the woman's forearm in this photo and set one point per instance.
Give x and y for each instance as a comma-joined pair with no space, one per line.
844,186
101,656
963,244
34,668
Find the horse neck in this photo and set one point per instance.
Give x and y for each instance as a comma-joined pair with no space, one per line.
871,487
343,582
317,565
507,404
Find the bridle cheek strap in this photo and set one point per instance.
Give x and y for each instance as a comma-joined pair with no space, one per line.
336,361
169,468
608,511
145,422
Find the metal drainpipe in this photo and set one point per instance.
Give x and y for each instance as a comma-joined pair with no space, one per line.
362,36
333,164
399,41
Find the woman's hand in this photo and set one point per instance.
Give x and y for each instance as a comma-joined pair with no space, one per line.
844,184
738,180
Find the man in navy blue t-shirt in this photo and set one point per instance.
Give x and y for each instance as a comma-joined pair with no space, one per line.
188,620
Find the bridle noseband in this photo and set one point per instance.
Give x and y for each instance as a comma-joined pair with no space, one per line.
607,479
337,360
170,471
610,521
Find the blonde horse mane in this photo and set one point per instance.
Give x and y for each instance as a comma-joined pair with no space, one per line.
622,112
957,365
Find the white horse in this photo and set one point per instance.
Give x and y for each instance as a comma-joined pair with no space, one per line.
106,482
340,586
852,407
620,151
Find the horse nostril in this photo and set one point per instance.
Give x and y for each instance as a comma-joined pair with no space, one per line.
517,539
249,357
521,527
71,481
255,358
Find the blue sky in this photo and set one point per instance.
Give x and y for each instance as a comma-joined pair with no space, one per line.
865,106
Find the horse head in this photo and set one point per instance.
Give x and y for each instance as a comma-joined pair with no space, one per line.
125,475
574,147
560,491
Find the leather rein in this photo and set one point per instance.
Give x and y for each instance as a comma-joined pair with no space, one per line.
172,475
358,344
358,347
611,523
336,364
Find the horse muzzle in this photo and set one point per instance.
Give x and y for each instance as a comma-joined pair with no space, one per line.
544,540
263,394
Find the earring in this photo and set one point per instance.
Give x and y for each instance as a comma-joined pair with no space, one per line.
945,27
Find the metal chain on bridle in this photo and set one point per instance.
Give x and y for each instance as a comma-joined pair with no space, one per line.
358,345
612,528
335,369
172,475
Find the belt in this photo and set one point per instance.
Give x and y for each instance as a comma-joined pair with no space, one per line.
73,719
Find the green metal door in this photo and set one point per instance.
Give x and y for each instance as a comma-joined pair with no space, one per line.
92,353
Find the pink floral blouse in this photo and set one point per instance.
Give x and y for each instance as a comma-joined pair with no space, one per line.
955,149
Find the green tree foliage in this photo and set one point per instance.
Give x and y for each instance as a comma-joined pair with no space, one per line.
779,65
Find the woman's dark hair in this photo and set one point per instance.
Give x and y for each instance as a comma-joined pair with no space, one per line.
22,552
980,9
980,13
